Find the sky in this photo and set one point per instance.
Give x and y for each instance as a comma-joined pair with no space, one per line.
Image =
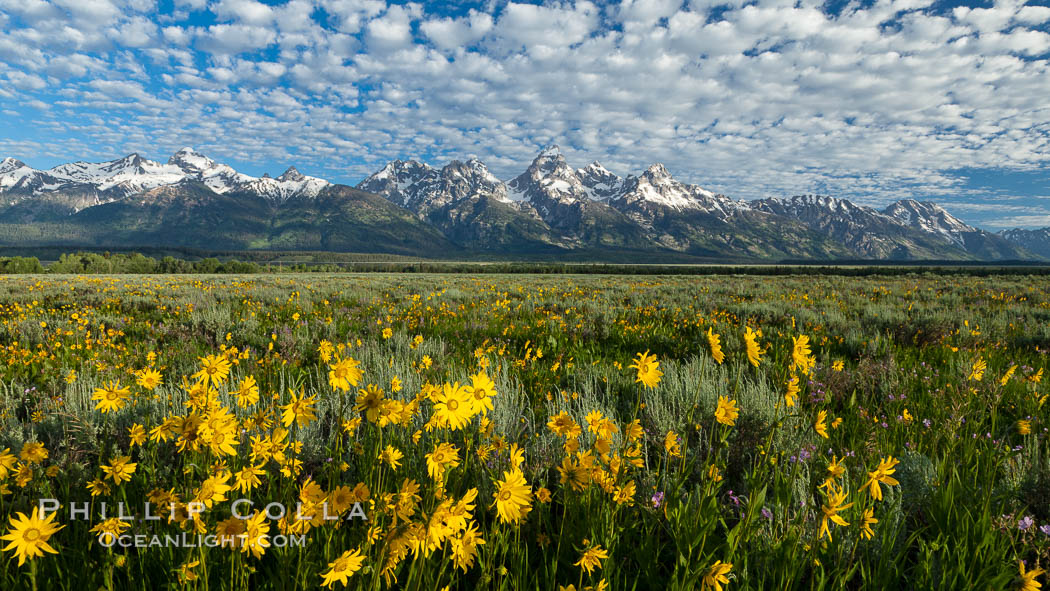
869,101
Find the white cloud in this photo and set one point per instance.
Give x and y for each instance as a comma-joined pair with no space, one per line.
191,4
530,25
448,33
233,39
14,51
392,30
1023,221
775,97
32,11
24,81
177,35
119,88
1019,41
222,75
1033,15
75,65
96,12
350,14
248,12
646,12
137,32
986,20
141,5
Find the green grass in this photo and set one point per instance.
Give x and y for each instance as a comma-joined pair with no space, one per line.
908,344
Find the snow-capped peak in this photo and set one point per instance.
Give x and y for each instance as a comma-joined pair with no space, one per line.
822,201
549,162
551,151
929,217
14,173
292,174
398,179
926,212
600,184
291,183
402,170
395,169
594,168
423,189
479,167
547,182
9,164
134,174
657,171
657,186
479,171
190,160
388,171
123,176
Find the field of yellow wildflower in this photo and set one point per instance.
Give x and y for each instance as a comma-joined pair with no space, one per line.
524,432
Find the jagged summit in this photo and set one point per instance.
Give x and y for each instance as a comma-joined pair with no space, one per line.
551,191
907,229
551,151
656,188
601,184
549,205
929,217
423,189
133,174
549,163
657,171
1035,241
190,160
397,180
292,174
594,168
823,202
547,184
9,164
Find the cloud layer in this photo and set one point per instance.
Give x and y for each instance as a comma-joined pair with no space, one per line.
870,101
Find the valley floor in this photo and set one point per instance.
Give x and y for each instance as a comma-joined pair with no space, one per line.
525,431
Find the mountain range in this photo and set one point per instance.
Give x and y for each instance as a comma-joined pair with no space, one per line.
463,210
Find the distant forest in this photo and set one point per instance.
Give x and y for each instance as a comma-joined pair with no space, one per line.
196,262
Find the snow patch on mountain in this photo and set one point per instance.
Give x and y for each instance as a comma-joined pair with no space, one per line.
10,164
547,187
823,210
598,182
189,160
422,188
567,200
655,191
12,172
130,174
291,183
397,180
1036,241
931,218
134,174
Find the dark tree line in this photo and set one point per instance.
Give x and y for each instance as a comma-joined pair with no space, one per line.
138,263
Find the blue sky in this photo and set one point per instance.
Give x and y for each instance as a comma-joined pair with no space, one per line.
871,101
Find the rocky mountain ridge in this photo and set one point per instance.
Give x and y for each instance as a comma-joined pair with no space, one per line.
549,208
